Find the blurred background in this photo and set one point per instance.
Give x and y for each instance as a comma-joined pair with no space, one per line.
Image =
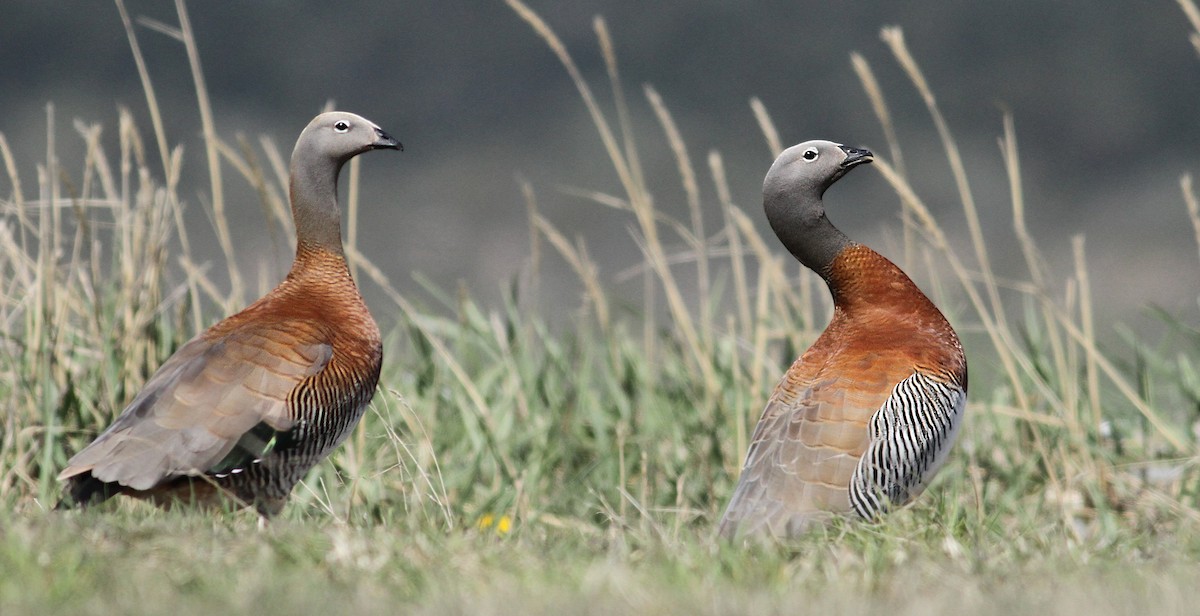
1104,102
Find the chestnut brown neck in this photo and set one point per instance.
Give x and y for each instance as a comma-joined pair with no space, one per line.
860,278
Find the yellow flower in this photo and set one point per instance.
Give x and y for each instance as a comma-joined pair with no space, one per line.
503,524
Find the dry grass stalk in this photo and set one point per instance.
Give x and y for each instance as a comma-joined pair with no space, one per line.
212,155
1193,206
774,144
585,269
691,189
894,37
639,200
737,262
1193,16
879,106
1088,326
139,60
609,53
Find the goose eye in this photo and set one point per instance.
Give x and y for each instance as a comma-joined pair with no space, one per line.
341,126
810,154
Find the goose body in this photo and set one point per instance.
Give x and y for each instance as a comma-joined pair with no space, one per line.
243,410
866,416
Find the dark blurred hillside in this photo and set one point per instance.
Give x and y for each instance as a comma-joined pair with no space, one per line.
1104,99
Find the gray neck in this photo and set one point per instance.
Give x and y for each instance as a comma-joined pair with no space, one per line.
805,231
314,201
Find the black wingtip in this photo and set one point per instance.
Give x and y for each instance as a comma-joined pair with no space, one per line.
85,490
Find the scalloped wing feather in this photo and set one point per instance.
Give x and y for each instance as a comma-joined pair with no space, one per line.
204,398
807,445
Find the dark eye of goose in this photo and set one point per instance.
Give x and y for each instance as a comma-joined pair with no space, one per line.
811,154
341,126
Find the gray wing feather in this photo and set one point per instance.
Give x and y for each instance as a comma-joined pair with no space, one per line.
780,490
194,409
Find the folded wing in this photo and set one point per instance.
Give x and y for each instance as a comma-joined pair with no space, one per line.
204,401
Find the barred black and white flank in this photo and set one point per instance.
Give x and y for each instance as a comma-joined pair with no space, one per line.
910,437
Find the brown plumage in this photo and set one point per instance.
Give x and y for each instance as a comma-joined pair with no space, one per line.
242,411
865,417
